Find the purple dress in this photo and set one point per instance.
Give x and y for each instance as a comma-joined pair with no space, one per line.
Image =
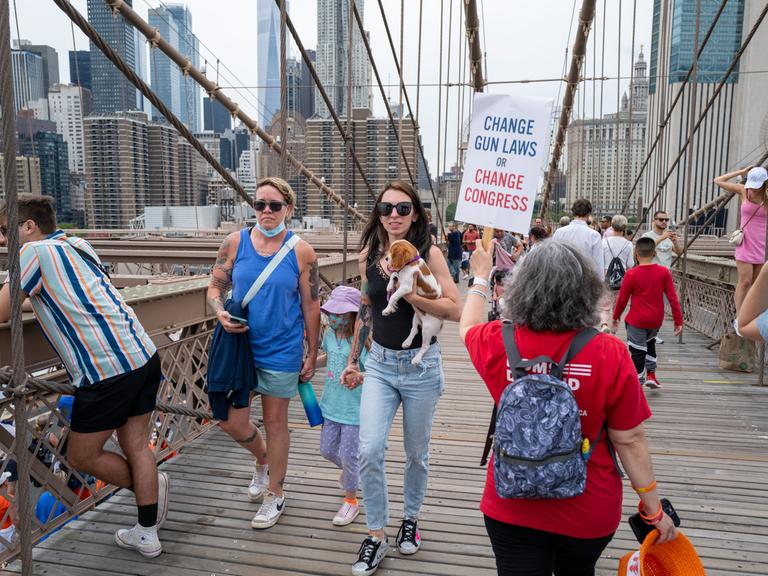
752,249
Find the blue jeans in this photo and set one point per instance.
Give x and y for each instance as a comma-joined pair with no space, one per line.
391,379
453,266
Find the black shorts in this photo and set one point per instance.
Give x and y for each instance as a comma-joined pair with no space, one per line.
108,404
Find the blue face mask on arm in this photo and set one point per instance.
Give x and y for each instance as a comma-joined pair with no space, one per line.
271,233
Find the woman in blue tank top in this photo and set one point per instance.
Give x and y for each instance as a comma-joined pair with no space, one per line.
287,306
390,379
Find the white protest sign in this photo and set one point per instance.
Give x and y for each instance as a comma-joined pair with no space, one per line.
508,145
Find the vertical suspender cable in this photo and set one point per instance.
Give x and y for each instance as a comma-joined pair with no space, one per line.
593,146
348,133
18,379
418,61
629,148
438,175
441,209
603,130
693,85
283,92
617,164
400,74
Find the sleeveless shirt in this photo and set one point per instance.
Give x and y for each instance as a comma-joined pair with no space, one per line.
389,331
275,318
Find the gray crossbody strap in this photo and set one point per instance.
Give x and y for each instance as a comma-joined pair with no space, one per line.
289,245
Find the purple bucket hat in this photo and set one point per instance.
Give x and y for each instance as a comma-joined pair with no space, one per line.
343,299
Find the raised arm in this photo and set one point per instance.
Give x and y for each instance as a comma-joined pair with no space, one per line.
221,282
474,306
723,181
309,288
446,307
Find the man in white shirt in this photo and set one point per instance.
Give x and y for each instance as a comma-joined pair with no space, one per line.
579,235
666,240
605,226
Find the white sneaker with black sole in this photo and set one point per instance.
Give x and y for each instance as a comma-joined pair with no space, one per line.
140,538
163,490
269,513
372,552
259,482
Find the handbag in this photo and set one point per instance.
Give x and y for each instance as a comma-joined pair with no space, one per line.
737,353
230,359
737,236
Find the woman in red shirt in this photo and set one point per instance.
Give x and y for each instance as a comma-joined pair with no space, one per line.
553,294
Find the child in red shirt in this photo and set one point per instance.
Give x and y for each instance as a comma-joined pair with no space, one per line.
646,284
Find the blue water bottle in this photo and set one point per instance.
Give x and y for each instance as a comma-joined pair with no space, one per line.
311,407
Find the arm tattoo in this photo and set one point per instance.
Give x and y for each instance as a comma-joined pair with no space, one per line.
314,281
222,276
366,320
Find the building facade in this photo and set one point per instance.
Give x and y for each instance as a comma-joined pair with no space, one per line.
216,118
112,92
27,175
50,62
80,68
268,59
605,154
332,58
165,76
28,78
189,48
713,151
66,106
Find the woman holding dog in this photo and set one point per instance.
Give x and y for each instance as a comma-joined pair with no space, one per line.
555,294
288,304
390,378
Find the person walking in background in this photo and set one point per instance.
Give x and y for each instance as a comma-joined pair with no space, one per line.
606,226
617,257
454,251
554,295
581,236
646,285
391,379
750,254
340,403
666,240
468,239
109,358
564,221
288,304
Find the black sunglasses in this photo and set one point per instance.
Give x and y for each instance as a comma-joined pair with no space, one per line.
274,205
385,208
663,219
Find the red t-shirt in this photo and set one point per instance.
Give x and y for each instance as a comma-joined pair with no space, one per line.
469,239
646,285
605,384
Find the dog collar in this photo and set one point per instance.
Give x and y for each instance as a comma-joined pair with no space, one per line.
411,261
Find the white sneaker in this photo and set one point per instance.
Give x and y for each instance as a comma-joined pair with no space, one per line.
271,509
659,340
346,514
372,552
259,482
163,488
143,540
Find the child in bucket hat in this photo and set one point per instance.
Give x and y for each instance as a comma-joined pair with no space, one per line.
340,403
674,558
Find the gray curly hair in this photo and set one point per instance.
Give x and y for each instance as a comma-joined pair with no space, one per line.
554,288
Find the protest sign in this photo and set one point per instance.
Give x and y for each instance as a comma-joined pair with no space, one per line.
508,146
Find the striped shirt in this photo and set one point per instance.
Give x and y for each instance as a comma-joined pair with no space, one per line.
83,316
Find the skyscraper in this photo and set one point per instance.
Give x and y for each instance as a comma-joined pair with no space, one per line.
50,62
268,59
216,117
111,90
188,46
307,88
51,149
166,77
672,49
28,78
80,68
66,105
332,45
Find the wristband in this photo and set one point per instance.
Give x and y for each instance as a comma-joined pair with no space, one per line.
645,489
480,293
477,281
651,520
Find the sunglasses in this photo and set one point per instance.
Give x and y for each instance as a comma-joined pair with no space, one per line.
274,205
663,219
385,208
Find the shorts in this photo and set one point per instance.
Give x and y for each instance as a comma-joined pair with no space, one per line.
269,383
108,404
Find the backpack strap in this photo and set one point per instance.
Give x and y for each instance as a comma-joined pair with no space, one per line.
581,339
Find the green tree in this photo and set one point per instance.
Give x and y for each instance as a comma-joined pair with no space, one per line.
450,212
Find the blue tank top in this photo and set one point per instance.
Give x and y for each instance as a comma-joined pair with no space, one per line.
275,319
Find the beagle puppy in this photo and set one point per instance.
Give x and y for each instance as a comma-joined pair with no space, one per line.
406,267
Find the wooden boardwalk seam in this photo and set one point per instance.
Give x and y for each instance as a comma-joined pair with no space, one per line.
709,439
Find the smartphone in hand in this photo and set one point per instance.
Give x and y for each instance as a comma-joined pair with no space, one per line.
238,320
641,529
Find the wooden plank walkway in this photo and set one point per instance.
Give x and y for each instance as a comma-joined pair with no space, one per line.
709,438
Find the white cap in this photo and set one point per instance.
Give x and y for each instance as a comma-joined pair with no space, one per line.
756,178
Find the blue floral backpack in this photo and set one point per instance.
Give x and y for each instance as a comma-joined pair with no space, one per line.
535,430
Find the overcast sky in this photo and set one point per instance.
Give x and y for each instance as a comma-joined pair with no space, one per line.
524,40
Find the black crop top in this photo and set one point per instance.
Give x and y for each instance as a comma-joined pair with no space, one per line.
389,331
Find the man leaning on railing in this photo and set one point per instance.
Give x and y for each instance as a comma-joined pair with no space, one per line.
108,356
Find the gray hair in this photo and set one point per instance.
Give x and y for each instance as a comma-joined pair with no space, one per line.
564,221
554,288
619,223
